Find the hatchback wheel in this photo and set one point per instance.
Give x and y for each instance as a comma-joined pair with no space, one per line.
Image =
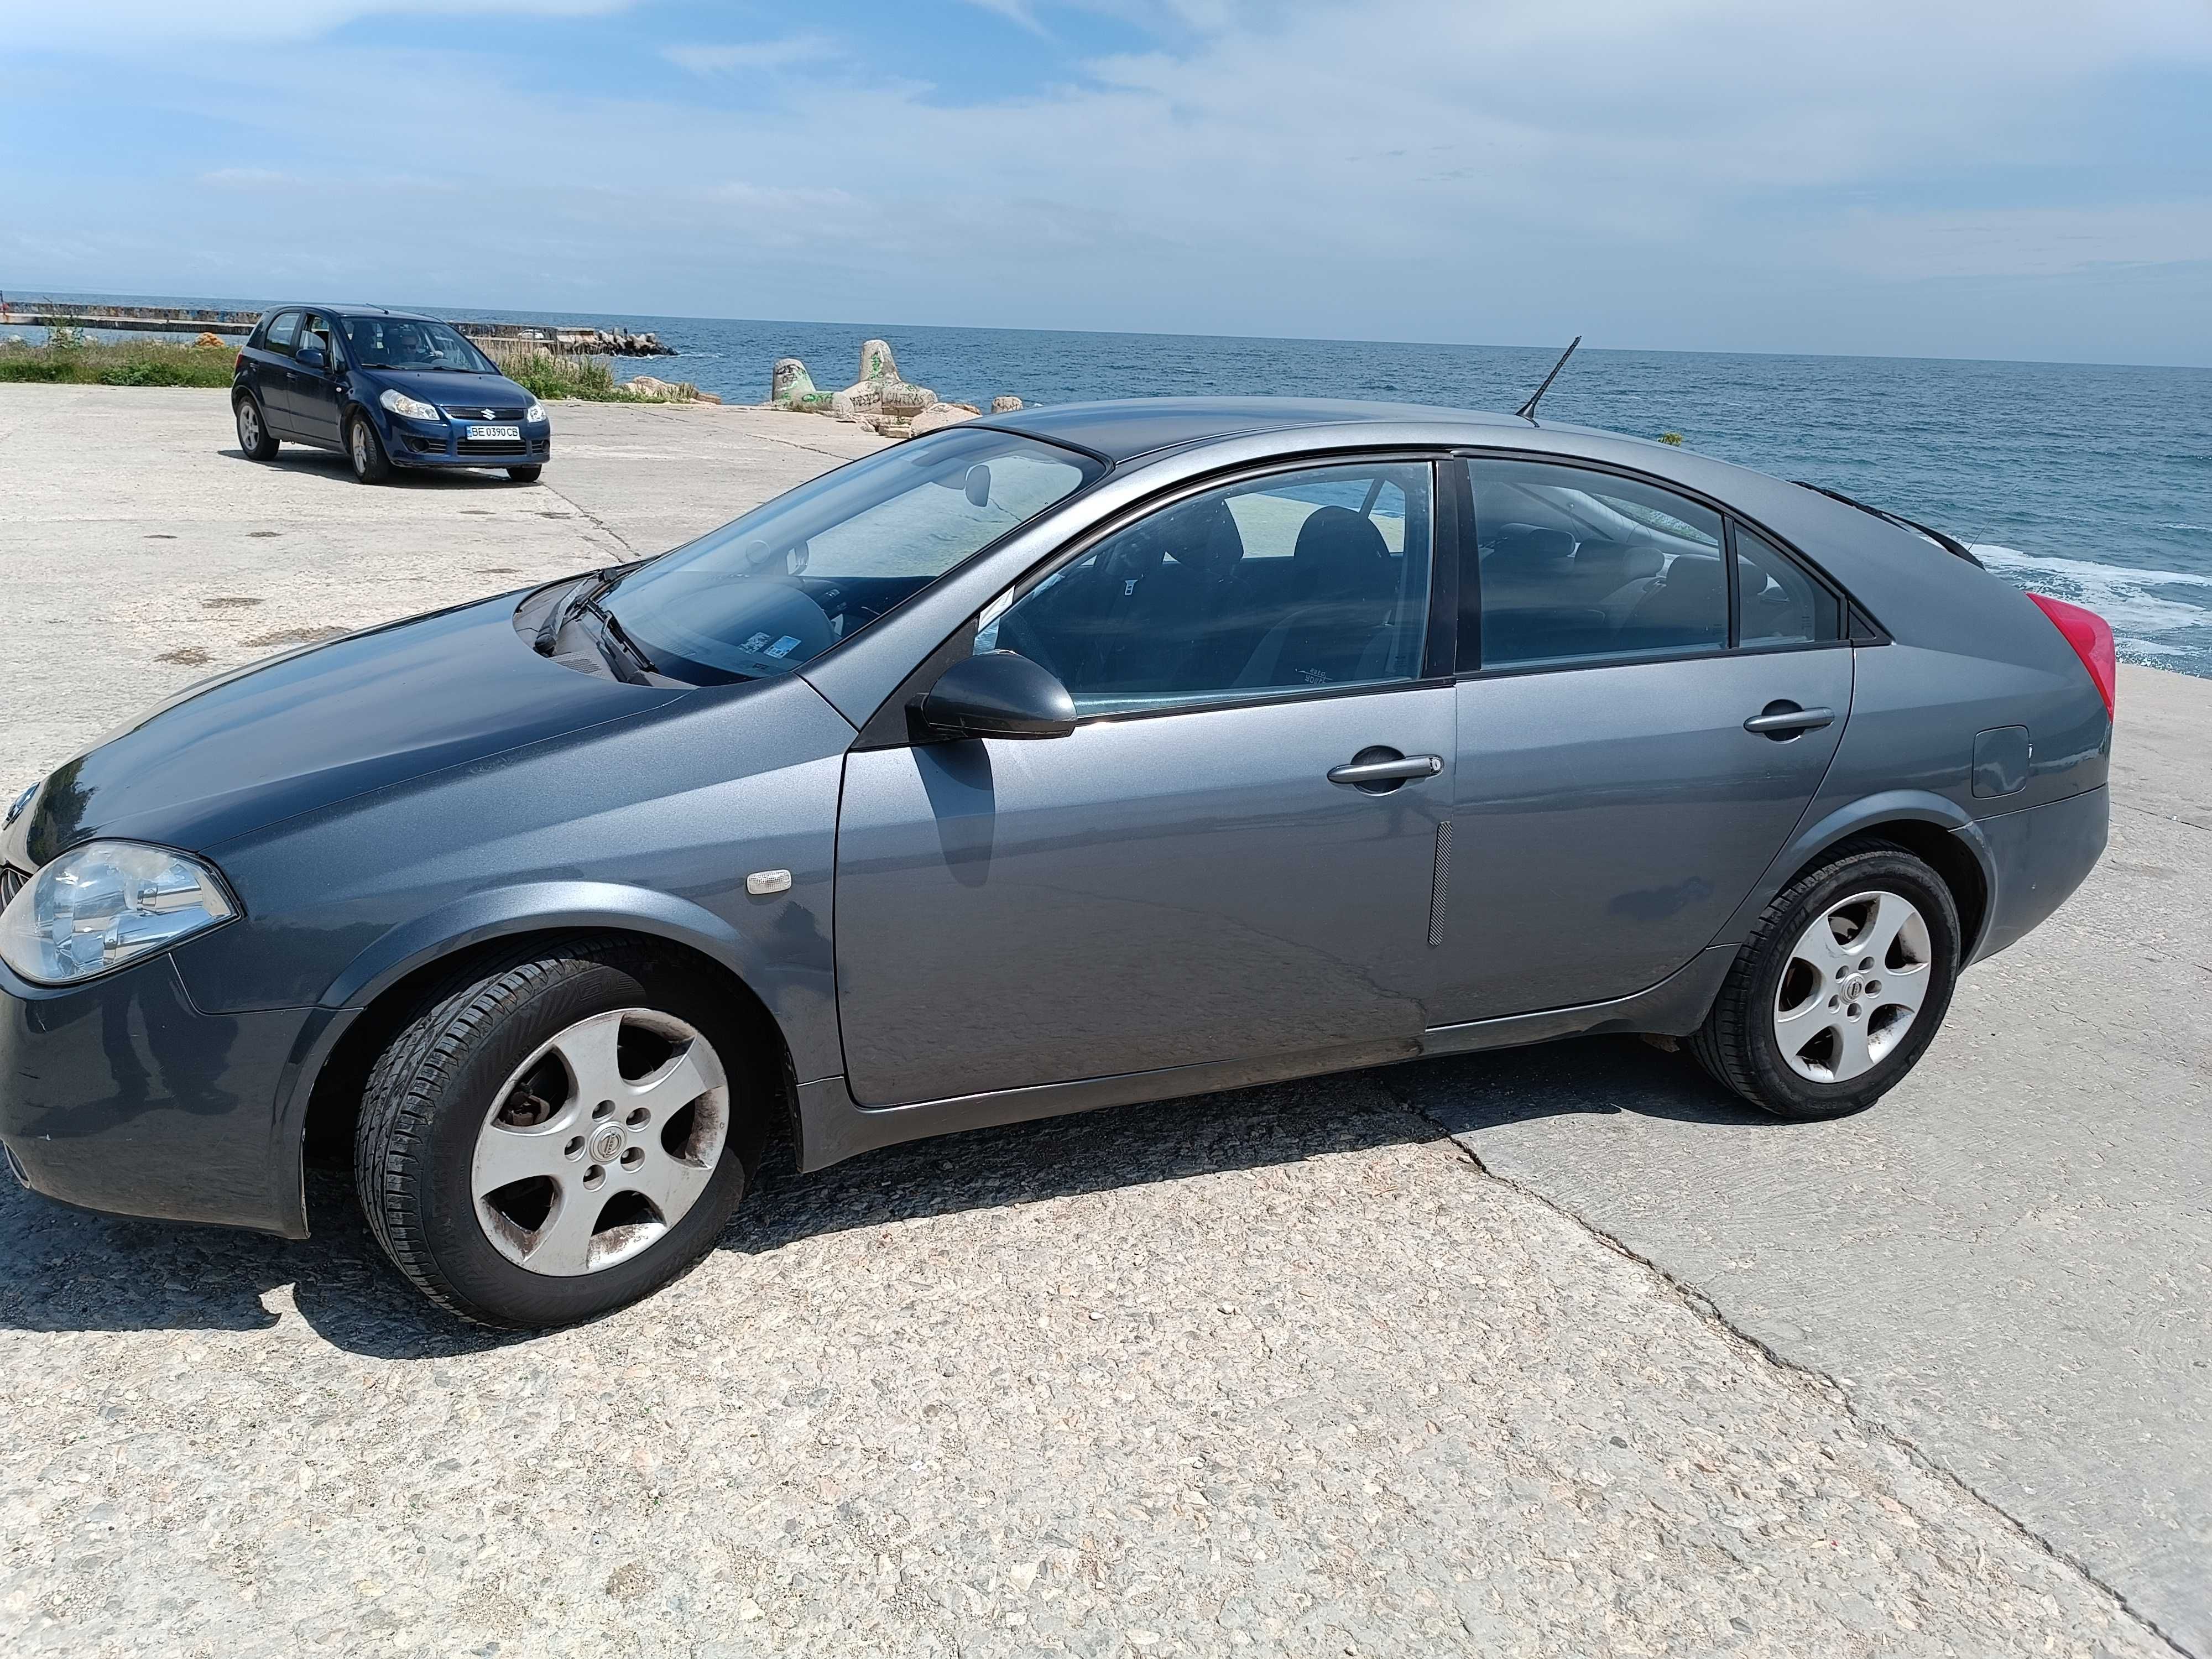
524,474
1840,988
558,1136
252,431
366,451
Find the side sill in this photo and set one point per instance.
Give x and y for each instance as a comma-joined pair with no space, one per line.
833,1127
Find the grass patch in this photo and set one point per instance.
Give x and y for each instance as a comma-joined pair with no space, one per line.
69,359
544,374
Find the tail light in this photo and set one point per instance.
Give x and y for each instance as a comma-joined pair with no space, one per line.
2090,636
238,362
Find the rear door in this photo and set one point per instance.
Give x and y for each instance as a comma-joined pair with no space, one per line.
1181,880
1611,807
272,372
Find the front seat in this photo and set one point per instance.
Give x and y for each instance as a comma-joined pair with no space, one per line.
1336,632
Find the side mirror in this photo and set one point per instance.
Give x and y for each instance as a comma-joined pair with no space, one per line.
999,694
312,356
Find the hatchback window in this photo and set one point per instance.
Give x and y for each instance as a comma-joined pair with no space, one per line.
1296,582
812,567
283,332
1579,566
1777,603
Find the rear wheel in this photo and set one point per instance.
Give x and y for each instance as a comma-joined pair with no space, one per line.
524,474
1840,988
366,451
253,431
557,1137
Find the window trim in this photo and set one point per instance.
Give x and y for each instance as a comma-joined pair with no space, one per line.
1851,612
893,726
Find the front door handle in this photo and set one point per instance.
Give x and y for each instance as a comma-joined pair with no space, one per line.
1359,774
1784,720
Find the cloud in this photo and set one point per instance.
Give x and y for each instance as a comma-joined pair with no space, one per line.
130,24
752,55
1014,11
2025,241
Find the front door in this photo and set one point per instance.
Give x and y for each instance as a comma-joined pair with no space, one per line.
315,391
1181,880
1613,807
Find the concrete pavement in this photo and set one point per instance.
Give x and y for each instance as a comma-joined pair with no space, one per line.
1282,1371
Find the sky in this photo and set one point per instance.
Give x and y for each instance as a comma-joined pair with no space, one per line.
2023,178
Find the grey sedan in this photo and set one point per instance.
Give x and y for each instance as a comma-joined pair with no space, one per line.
1090,755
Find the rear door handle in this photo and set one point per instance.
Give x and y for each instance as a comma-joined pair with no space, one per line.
1786,719
1396,770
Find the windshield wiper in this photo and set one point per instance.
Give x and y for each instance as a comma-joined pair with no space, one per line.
1951,544
612,630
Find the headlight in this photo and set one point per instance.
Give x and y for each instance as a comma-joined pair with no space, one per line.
535,412
105,903
400,404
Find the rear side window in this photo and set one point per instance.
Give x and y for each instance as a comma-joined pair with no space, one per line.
1777,602
1579,566
283,332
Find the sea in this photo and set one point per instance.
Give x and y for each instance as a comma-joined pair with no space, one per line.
2087,482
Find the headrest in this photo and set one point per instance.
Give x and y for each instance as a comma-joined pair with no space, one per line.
1202,536
1340,555
1523,550
1691,577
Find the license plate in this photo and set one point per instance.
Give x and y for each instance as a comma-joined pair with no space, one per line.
494,432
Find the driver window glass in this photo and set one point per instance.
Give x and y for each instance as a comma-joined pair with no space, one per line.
1579,566
1291,583
283,333
316,330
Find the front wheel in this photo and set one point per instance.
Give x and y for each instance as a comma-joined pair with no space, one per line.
366,451
1840,988
524,474
252,431
555,1137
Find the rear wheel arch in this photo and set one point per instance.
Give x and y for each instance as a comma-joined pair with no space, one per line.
1941,846
333,1110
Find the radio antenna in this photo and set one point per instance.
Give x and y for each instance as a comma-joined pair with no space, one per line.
1528,411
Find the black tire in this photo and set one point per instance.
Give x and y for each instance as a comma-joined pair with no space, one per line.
1739,1044
365,451
524,474
253,428
431,1092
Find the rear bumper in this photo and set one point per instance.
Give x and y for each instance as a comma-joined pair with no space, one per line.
2037,858
121,1095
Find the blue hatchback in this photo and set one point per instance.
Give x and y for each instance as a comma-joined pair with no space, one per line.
386,390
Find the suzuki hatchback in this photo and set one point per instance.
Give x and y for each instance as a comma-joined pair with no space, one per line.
386,389
1087,755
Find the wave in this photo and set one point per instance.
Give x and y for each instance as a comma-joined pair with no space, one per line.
2086,571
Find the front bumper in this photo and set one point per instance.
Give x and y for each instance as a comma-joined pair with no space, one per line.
440,443
121,1096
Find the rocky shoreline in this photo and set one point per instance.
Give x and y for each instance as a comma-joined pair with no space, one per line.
881,399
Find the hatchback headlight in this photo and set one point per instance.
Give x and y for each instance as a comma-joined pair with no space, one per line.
400,404
103,904
535,412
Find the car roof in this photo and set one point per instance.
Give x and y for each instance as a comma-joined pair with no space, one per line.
355,309
1125,428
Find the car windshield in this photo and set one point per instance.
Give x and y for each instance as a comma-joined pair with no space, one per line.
812,567
406,342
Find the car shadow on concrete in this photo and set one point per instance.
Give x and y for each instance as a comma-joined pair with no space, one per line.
328,464
67,1270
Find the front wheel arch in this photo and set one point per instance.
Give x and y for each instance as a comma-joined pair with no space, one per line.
325,1136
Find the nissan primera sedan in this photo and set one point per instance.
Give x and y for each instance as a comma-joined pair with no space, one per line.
1094,754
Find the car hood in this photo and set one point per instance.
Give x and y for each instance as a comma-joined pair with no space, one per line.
462,390
318,725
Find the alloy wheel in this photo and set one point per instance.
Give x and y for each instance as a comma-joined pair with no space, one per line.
360,448
1852,986
600,1142
249,427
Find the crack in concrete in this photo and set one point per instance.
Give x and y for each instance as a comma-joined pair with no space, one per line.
591,518
1705,1309
2163,818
